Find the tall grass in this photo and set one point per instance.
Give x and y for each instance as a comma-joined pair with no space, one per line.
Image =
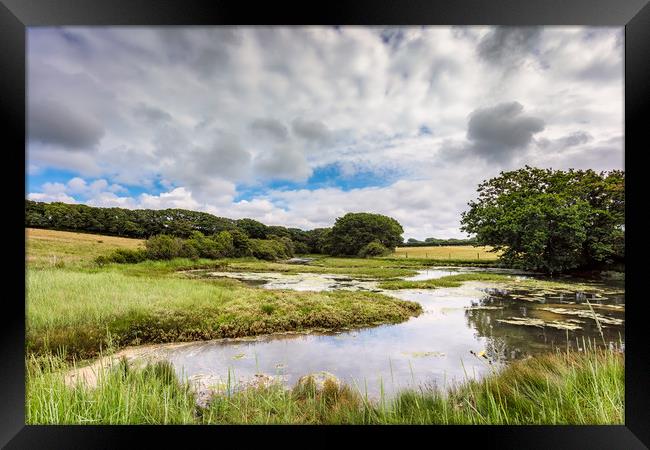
83,311
152,395
580,388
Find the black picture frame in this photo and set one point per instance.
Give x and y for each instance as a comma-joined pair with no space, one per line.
17,15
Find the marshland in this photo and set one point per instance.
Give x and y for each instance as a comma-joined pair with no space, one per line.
325,225
384,339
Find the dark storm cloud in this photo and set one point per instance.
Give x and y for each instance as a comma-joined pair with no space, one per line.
311,130
507,46
270,128
496,132
54,123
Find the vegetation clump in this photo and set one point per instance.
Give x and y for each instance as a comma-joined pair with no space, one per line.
375,248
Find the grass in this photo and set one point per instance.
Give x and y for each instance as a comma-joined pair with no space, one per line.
580,388
50,248
152,395
448,281
83,312
450,252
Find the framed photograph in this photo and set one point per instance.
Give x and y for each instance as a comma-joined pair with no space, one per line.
358,218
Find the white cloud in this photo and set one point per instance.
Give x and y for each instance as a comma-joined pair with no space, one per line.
204,110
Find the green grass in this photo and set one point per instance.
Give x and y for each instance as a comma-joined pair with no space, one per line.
152,395
448,281
85,311
580,388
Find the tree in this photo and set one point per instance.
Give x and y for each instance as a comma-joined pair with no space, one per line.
353,231
253,228
551,221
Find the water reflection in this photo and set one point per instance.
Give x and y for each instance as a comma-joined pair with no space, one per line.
463,332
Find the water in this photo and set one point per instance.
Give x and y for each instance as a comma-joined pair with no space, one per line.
464,332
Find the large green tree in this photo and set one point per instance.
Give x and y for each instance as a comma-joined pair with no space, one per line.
551,220
354,231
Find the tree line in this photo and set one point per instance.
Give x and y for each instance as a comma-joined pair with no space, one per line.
362,234
429,242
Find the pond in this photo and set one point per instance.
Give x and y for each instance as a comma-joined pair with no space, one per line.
464,332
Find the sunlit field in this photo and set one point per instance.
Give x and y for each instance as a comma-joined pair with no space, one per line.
46,248
458,252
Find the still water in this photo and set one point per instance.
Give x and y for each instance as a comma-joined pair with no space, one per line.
463,332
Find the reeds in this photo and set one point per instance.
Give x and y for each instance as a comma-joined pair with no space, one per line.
578,388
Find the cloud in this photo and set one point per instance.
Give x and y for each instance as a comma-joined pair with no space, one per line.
55,123
270,128
151,114
219,111
283,162
496,132
509,46
311,130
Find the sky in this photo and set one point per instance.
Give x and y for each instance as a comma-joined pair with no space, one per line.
297,126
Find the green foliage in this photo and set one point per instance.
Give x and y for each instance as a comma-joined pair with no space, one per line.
123,256
375,248
241,244
551,221
252,228
269,249
428,242
138,223
318,240
354,231
163,247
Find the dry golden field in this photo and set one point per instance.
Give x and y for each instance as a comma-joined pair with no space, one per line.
51,247
453,252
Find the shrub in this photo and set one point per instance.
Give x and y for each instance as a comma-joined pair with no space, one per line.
163,246
375,248
223,244
268,249
241,243
122,256
301,248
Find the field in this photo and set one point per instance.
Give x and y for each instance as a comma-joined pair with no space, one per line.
47,248
450,252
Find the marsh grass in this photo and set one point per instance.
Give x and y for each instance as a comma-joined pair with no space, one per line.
152,395
445,282
579,388
81,311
